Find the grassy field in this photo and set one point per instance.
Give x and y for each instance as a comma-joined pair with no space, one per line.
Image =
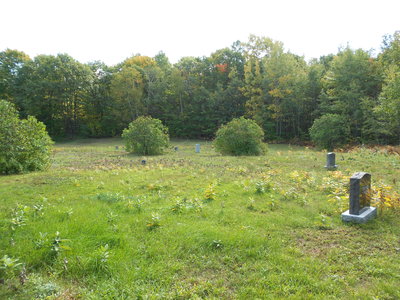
100,225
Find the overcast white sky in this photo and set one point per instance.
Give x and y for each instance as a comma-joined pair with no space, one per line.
116,29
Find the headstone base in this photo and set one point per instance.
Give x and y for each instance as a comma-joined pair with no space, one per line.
331,167
366,214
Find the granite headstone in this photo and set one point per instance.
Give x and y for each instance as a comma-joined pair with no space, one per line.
360,210
330,161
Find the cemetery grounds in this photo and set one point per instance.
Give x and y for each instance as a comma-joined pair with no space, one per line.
98,224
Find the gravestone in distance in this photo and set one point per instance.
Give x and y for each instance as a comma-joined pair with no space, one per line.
197,148
143,161
116,147
330,161
360,210
176,148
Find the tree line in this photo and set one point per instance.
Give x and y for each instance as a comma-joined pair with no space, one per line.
257,79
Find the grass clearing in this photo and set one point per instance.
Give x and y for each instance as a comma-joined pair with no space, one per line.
100,225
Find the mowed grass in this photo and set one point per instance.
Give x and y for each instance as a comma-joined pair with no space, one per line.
101,225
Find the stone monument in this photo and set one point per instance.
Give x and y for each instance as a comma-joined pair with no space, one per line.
330,161
197,148
360,199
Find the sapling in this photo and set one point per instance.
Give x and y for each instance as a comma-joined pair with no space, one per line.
155,222
8,266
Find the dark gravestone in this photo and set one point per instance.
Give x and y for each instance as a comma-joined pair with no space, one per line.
116,147
360,210
360,192
176,148
330,161
143,161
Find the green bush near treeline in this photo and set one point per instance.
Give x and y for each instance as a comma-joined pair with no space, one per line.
240,137
24,144
146,136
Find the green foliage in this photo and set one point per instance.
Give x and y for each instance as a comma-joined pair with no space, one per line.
217,244
55,89
11,61
128,96
38,287
330,131
352,77
110,197
99,260
19,216
146,136
323,222
8,266
274,82
389,104
257,79
58,245
240,137
24,144
263,187
112,254
155,222
182,205
210,194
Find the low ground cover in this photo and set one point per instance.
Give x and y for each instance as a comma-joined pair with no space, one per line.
101,225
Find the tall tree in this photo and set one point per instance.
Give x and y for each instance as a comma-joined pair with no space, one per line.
99,119
388,109
352,77
11,62
275,83
133,88
55,89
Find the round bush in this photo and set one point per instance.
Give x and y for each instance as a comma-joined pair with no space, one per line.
146,136
24,144
330,131
240,137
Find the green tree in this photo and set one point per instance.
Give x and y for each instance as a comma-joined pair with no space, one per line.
99,118
240,137
389,103
195,118
275,84
129,88
225,83
388,108
146,136
24,144
391,50
352,77
55,90
330,131
11,61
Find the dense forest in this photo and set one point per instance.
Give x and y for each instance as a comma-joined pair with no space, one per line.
257,79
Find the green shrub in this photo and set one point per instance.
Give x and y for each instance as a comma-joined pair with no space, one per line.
24,144
240,137
330,131
146,136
